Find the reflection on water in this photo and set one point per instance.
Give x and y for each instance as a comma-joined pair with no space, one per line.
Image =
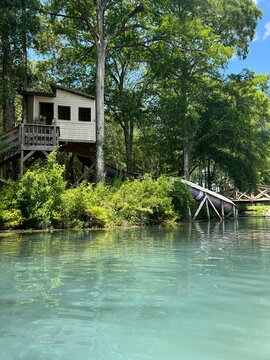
198,291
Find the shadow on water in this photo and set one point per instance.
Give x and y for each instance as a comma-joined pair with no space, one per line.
255,229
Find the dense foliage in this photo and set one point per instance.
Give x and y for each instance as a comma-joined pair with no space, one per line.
170,108
40,199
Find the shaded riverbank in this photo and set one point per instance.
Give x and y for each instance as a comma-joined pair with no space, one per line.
41,199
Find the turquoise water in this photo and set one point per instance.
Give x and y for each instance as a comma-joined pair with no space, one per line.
198,291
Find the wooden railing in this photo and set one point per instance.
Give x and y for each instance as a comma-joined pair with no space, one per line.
31,137
10,138
261,195
38,137
27,136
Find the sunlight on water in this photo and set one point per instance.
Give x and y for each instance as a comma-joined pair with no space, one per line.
198,291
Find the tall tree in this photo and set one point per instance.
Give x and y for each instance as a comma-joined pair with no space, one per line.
234,129
100,23
127,90
17,27
198,42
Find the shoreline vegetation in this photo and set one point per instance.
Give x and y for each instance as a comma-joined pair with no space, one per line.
41,200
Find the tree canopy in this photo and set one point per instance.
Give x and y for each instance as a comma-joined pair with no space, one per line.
158,71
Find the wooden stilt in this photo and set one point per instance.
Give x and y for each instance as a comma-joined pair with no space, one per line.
222,209
26,157
199,208
22,162
83,176
189,213
45,153
207,208
213,206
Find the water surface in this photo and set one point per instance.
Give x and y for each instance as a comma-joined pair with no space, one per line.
198,291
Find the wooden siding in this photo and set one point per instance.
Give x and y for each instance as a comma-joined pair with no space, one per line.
70,130
30,109
77,132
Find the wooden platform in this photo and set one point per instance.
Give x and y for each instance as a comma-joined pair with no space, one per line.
28,141
25,140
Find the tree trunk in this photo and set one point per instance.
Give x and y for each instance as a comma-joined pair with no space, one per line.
209,177
129,132
8,91
25,61
186,147
200,174
186,125
101,55
186,152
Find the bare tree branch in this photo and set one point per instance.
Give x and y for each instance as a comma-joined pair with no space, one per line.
123,27
52,13
89,26
135,44
83,18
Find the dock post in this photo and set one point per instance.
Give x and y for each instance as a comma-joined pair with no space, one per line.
207,208
222,209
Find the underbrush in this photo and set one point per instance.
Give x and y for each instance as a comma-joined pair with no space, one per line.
257,210
40,199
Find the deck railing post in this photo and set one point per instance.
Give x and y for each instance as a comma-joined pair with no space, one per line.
22,135
54,132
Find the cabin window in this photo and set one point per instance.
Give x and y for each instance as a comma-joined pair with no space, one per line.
84,114
64,112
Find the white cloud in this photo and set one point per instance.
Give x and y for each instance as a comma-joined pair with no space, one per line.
257,1
256,37
267,31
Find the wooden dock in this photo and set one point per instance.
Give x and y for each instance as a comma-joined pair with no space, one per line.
261,196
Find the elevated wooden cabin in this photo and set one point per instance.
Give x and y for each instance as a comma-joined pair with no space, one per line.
61,117
72,111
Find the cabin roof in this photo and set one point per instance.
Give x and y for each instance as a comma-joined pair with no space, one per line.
37,93
54,88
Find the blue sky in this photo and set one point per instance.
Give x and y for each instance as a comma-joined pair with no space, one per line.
258,58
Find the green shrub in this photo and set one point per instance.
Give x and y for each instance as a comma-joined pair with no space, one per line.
257,210
10,214
84,206
142,202
39,195
182,199
39,199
